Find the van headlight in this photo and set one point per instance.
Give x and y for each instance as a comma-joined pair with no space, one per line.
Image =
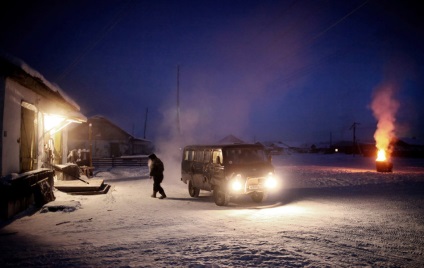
236,184
270,181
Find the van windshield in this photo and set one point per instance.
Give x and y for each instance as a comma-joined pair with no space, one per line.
244,155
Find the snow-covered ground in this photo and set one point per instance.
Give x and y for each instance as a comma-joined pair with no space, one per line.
331,211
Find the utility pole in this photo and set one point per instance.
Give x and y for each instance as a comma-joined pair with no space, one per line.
178,100
91,144
145,123
353,127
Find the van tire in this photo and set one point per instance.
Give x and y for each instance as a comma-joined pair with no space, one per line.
257,197
193,191
220,197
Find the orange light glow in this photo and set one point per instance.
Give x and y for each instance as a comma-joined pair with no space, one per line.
381,155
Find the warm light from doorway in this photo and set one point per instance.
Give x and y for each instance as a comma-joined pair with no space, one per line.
52,123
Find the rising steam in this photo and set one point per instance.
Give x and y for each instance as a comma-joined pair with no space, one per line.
384,108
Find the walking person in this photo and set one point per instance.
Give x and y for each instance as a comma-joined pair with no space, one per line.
156,172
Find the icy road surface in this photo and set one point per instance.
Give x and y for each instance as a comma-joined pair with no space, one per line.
332,211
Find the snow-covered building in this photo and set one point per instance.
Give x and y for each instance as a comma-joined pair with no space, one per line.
106,139
34,115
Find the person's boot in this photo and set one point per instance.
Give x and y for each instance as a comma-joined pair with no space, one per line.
153,195
162,196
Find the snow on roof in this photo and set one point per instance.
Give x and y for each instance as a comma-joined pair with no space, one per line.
33,73
274,144
101,117
231,139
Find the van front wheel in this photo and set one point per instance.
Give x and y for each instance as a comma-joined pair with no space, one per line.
257,197
193,191
220,197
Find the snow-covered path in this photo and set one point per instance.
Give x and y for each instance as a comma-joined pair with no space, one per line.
332,211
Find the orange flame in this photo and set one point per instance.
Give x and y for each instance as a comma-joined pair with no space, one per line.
381,156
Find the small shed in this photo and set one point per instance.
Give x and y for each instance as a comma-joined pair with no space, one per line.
106,139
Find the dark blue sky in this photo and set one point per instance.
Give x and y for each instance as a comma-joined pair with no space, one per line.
261,70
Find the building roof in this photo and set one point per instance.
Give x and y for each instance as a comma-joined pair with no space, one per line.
19,71
103,129
230,139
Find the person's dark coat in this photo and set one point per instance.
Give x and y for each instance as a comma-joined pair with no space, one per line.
156,171
156,168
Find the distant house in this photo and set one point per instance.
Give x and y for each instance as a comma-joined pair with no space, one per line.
347,147
408,147
106,139
34,115
400,147
277,148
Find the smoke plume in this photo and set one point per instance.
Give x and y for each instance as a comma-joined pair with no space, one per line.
384,108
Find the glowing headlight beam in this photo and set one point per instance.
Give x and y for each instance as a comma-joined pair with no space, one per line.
236,185
271,182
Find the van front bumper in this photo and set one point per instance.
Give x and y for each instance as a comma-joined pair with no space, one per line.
249,185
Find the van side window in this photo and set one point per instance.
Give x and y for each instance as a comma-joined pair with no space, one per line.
207,158
188,155
215,156
198,156
229,156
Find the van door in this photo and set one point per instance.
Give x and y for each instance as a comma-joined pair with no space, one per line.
197,169
207,170
217,168
186,166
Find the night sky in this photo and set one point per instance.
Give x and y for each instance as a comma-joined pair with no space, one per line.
291,71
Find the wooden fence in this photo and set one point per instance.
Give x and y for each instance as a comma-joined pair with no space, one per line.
120,161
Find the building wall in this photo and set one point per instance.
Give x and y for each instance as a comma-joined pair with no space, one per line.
65,146
107,139
101,148
2,92
14,94
41,153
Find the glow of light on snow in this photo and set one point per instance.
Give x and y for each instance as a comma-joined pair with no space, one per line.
283,210
266,213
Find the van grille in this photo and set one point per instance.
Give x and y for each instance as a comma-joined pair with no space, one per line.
255,183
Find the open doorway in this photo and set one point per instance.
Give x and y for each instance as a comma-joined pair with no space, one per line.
28,144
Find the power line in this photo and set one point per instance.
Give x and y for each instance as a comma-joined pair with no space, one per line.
95,41
292,51
340,20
